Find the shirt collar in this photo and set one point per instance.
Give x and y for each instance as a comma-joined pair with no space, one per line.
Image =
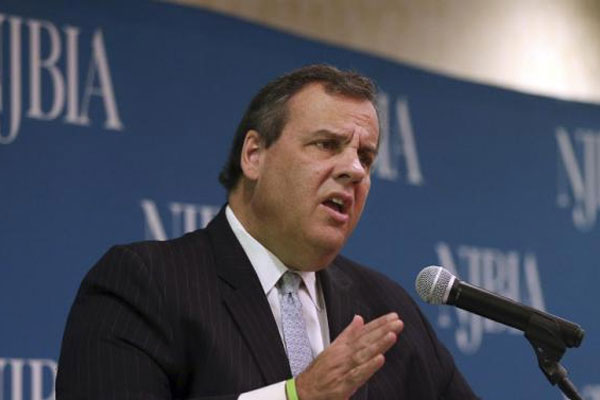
268,267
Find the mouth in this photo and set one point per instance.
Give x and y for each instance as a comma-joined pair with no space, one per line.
338,203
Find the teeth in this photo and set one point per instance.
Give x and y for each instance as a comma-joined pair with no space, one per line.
337,201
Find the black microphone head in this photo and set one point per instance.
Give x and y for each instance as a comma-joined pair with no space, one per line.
433,284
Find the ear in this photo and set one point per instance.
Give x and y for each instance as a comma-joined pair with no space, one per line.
251,156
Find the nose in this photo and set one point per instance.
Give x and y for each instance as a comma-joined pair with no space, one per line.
350,168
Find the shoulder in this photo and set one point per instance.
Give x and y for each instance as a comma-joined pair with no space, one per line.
153,251
197,247
170,265
216,234
148,256
150,260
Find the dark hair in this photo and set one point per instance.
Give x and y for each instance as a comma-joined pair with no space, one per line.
268,112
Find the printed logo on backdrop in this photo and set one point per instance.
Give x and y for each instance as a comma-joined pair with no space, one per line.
509,273
579,175
27,378
53,71
397,143
177,218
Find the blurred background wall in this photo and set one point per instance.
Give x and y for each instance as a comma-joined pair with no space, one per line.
548,47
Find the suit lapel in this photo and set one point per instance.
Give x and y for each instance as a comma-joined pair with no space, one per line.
246,302
341,301
342,305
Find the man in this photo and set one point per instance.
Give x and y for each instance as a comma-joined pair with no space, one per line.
241,308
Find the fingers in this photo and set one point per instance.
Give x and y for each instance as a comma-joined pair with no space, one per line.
361,374
383,323
373,347
352,329
373,329
364,344
380,327
375,337
353,357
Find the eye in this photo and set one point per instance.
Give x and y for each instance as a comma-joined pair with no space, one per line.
327,144
366,159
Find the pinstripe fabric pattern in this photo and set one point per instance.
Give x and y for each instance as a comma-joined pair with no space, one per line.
187,319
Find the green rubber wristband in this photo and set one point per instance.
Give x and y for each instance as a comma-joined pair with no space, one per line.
290,389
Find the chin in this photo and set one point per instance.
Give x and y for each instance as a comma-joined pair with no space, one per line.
330,245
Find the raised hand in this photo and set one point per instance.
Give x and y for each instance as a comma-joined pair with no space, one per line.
353,357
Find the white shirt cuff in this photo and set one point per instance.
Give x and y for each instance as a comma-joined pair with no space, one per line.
275,391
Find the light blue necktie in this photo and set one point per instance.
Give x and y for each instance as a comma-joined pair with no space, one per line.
295,334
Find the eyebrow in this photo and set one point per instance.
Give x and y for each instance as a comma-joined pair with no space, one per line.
345,138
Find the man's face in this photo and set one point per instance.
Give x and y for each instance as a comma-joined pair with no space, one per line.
312,183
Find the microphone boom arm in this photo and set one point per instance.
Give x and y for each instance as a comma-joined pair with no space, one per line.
545,337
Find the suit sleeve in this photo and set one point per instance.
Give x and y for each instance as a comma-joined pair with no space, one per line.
119,341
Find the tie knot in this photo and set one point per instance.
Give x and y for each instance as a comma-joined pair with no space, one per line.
290,282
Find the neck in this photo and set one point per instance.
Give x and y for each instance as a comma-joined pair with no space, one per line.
298,256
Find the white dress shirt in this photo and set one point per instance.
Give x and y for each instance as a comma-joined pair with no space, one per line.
269,270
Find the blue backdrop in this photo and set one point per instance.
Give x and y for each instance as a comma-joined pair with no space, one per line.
115,119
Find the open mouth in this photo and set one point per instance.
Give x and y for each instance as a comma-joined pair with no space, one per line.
336,204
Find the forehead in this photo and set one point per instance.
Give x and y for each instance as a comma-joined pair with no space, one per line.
312,108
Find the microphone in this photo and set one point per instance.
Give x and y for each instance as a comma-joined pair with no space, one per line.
436,285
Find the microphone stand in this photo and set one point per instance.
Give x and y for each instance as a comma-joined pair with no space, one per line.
545,337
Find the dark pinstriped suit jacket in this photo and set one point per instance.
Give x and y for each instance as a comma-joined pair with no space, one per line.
187,318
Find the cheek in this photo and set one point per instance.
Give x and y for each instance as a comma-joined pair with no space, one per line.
310,179
296,187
